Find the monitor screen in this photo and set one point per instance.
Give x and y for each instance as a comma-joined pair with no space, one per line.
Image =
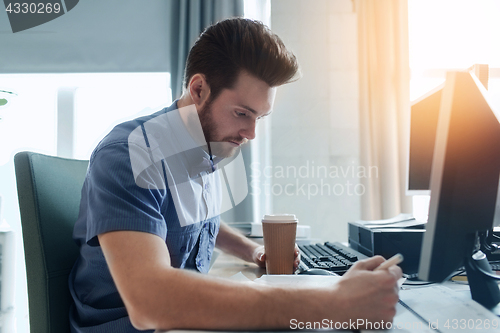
423,124
464,177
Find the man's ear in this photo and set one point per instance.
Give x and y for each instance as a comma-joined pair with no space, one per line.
199,90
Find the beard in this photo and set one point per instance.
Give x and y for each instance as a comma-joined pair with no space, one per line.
218,146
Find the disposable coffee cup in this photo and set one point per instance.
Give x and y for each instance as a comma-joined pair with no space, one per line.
279,242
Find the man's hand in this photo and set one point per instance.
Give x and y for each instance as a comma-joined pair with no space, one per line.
235,243
367,294
259,257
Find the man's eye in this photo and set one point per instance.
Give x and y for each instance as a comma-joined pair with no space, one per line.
241,114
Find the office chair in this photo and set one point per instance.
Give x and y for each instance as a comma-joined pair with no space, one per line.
49,191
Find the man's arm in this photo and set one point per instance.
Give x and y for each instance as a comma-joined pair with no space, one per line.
158,296
233,242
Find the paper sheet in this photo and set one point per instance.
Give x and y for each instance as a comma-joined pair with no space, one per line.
299,280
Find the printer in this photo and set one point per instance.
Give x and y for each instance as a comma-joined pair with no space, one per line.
401,234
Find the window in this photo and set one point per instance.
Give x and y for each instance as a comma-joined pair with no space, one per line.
105,100
451,35
29,122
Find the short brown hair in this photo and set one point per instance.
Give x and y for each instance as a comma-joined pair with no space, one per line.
226,48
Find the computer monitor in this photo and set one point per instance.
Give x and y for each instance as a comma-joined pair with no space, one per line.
464,184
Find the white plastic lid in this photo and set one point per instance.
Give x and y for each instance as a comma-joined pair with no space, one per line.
279,218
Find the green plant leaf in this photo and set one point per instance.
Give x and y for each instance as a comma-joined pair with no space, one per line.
3,101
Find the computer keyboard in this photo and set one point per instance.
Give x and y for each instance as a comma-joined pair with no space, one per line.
338,258
332,256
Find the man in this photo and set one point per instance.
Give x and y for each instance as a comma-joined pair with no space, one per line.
150,205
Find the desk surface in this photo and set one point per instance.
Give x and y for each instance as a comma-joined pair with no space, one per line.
451,305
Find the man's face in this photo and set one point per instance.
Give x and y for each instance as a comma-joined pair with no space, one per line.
229,121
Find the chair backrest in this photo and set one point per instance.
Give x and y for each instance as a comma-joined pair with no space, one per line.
49,192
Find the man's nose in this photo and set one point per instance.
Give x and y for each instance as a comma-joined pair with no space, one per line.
249,131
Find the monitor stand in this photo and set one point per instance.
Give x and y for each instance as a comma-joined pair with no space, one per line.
484,289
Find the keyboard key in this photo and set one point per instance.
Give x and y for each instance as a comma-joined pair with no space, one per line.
334,257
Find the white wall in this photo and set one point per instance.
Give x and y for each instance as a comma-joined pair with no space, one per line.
315,123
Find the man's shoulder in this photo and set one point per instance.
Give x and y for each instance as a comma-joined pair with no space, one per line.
115,147
121,132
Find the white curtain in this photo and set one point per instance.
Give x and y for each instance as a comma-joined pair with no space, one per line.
384,105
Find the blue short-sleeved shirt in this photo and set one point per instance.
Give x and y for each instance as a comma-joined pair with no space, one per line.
114,197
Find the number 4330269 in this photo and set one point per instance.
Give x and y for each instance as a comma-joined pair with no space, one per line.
33,8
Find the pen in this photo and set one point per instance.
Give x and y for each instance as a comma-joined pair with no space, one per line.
394,260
